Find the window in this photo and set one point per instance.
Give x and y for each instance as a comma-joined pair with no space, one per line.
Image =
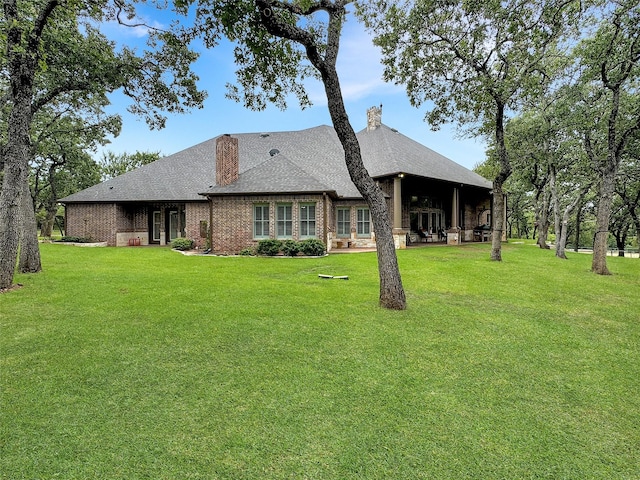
363,225
284,221
344,222
261,221
307,220
174,225
156,223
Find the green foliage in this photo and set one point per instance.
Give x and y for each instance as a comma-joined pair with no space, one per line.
182,244
247,252
113,165
247,368
313,247
269,247
71,239
290,248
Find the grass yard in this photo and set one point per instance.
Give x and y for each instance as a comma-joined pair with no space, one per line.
142,363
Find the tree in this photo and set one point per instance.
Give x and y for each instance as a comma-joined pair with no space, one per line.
474,60
54,47
274,40
610,61
62,135
113,164
628,184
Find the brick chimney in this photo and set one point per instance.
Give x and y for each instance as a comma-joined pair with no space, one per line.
374,118
226,160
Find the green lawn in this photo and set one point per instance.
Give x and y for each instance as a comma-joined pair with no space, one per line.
143,363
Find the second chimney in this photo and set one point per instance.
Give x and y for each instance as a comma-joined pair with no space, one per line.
374,118
227,168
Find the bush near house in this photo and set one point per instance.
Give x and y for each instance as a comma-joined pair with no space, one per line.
290,248
69,239
269,247
182,244
311,247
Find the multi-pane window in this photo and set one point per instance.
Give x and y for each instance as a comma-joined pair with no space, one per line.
261,221
344,222
284,221
363,222
307,220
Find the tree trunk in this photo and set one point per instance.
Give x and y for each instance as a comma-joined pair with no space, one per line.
561,236
499,219
543,220
498,222
555,202
10,220
21,66
601,238
15,177
392,294
29,247
578,222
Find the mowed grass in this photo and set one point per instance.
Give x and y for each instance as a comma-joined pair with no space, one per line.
137,363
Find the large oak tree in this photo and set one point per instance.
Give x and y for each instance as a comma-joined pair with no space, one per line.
475,61
52,48
610,102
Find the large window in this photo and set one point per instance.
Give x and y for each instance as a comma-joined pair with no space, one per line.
307,220
344,222
284,221
261,221
363,222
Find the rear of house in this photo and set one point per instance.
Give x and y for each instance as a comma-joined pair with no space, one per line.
230,192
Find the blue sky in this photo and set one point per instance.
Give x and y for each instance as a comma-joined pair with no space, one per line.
361,79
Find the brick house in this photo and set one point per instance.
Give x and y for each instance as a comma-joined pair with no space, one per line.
234,190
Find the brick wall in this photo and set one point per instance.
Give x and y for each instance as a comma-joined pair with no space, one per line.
233,219
194,214
97,221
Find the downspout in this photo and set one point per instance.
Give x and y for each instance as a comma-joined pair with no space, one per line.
210,233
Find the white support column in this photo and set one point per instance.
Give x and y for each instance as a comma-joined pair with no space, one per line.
397,202
455,223
399,234
454,233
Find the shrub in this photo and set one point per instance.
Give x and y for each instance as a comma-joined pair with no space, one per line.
71,239
269,247
182,244
290,248
312,247
248,252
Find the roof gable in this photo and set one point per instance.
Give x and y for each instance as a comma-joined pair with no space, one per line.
278,175
387,152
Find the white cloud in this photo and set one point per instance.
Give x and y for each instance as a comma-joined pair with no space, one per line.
359,68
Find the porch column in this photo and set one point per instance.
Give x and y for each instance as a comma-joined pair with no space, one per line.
454,209
399,234
397,202
454,236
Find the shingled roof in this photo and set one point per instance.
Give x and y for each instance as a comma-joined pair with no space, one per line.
310,160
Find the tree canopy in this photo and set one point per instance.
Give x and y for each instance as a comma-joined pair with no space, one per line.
473,61
56,55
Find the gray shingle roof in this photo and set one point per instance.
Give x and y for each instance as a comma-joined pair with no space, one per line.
387,152
310,160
